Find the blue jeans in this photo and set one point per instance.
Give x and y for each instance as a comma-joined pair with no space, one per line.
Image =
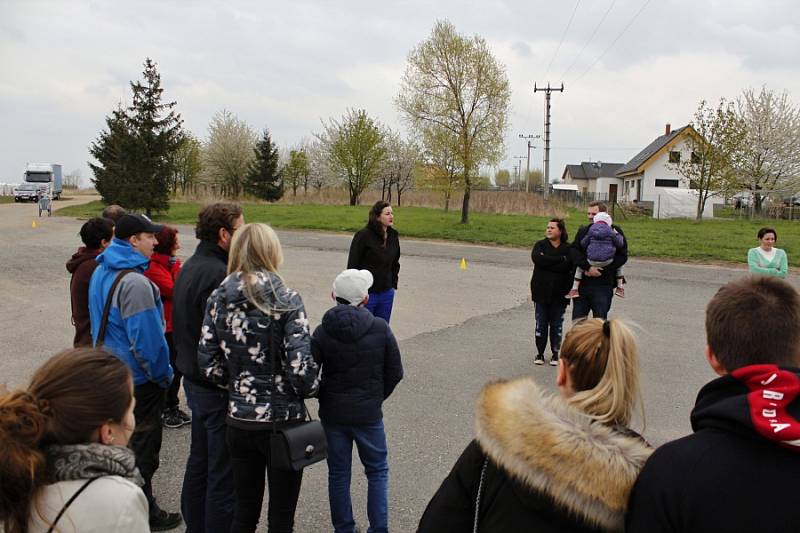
380,304
549,319
594,298
207,496
370,440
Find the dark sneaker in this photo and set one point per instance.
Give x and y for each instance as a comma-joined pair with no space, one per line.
171,419
184,416
554,360
538,360
160,520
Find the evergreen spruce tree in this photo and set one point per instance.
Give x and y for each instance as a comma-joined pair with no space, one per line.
136,155
264,179
112,151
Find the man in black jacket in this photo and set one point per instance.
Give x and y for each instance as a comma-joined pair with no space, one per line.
598,283
738,471
361,366
207,495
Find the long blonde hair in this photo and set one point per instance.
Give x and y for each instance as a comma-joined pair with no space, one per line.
255,248
603,364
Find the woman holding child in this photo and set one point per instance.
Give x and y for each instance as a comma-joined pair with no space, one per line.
552,463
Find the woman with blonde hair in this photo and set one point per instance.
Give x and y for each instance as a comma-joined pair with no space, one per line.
552,463
250,306
65,463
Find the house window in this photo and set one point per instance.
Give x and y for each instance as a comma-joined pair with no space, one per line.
667,183
675,157
695,158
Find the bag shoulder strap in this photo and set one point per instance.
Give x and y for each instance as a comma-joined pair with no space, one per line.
69,502
101,335
478,497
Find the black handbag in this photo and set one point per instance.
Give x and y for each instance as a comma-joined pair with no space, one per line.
299,445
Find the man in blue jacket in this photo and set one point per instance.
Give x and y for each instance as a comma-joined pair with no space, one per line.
361,366
135,333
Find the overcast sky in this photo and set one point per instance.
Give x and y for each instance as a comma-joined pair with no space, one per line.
629,66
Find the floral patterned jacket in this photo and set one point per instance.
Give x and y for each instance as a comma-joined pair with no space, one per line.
234,351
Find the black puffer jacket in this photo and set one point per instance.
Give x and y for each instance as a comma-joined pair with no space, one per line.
368,252
360,363
552,272
235,351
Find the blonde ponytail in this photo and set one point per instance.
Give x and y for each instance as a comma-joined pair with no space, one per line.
603,362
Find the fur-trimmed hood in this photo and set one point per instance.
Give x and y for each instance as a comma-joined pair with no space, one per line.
586,467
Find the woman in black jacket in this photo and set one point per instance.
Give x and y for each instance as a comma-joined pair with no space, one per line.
550,463
251,305
551,281
376,248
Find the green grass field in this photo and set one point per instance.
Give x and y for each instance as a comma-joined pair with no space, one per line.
6,199
722,240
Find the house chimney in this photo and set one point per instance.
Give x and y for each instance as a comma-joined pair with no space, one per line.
667,129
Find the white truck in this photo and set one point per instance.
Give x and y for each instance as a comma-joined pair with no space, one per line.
46,173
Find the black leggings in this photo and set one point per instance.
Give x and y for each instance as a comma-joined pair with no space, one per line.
249,452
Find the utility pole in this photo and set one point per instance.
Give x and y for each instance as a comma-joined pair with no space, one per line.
547,91
528,164
518,166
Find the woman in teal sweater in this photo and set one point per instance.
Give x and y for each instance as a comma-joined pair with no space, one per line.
766,259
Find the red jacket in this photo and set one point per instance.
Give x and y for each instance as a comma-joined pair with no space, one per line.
163,273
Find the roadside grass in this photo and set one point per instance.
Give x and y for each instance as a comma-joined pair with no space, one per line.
6,199
674,239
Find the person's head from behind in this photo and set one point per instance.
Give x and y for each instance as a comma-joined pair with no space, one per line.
767,237
168,242
751,321
96,233
599,370
381,216
114,212
138,231
351,287
594,208
255,247
216,223
79,396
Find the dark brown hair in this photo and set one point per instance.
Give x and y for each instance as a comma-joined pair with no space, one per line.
375,211
600,206
562,227
95,230
68,399
764,231
166,240
214,217
754,320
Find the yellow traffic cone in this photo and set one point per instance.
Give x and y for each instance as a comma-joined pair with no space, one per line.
33,224
463,265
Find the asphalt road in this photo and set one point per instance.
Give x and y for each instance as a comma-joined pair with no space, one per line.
457,329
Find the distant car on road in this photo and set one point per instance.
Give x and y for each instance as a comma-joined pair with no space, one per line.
28,192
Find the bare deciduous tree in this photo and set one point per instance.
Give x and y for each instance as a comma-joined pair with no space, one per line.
356,149
769,159
228,152
453,82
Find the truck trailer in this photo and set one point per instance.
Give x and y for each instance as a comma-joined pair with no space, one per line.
41,173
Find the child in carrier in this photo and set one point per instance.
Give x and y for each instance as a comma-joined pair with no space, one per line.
601,244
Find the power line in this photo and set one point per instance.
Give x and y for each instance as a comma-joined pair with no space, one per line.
562,39
628,25
594,32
